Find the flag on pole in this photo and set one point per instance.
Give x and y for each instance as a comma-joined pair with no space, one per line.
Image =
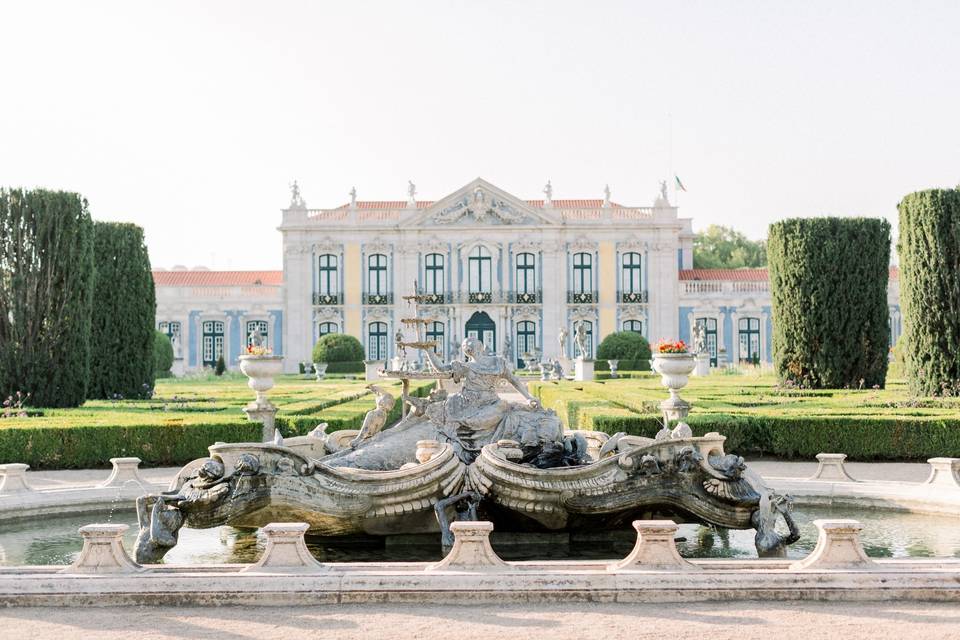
680,186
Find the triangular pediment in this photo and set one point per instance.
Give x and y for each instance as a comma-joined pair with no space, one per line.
479,203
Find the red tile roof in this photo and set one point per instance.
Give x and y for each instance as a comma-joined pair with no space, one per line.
736,275
423,204
204,278
744,274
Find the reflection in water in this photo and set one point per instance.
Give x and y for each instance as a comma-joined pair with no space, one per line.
886,535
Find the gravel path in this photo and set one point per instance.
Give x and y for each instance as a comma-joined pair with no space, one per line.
716,621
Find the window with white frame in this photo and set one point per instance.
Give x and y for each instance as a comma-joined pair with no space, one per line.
211,342
433,281
583,277
377,341
324,328
258,325
435,333
328,279
526,274
634,326
377,274
749,331
631,277
481,268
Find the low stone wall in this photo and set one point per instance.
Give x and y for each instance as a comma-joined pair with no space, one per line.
472,573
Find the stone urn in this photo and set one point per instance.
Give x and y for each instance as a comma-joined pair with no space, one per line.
613,364
261,371
674,370
320,368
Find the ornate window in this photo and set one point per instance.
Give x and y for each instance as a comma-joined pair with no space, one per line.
526,340
631,278
258,325
576,348
636,326
749,330
434,283
526,286
327,327
328,280
212,343
435,332
480,274
172,329
377,341
710,337
582,278
377,280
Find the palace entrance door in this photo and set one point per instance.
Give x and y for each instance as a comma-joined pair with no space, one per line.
481,327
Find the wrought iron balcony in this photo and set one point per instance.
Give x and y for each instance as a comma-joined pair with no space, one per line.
583,297
377,298
327,299
632,297
434,298
480,297
532,297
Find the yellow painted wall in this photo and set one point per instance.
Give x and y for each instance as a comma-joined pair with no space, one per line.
352,290
607,289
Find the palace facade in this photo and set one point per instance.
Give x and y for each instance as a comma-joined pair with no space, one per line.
512,272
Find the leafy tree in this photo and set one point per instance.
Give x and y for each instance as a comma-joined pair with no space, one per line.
828,286
719,247
124,307
162,355
624,345
929,251
337,347
46,287
220,367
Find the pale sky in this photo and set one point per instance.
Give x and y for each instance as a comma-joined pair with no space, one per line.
191,118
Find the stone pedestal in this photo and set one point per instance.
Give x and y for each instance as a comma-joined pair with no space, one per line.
655,549
831,468
266,415
13,478
703,365
103,551
944,472
838,547
371,369
471,549
286,551
583,370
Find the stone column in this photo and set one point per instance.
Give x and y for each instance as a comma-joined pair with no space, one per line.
266,415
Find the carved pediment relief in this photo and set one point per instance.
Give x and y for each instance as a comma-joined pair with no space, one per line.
376,247
630,312
583,313
581,245
382,314
327,246
326,314
481,203
633,244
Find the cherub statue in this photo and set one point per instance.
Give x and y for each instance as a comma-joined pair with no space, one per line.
376,418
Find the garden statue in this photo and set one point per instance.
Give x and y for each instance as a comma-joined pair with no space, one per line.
581,340
256,338
699,338
562,339
375,420
557,370
769,542
548,192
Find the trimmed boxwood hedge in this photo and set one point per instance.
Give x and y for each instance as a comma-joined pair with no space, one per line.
346,367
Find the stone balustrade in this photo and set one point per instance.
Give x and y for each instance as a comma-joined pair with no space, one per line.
655,549
831,467
103,551
286,549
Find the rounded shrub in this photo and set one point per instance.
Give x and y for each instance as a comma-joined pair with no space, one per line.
624,345
162,354
929,249
828,288
337,347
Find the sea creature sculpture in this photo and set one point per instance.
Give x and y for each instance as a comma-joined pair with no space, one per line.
769,542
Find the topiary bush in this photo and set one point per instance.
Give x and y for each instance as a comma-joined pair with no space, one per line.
162,354
124,305
828,286
624,346
221,366
929,249
337,347
46,287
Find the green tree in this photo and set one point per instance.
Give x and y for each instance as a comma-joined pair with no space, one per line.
718,247
337,347
624,345
46,287
220,367
929,249
162,355
124,307
828,286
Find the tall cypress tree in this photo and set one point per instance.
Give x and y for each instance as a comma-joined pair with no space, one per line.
124,307
929,249
46,286
828,286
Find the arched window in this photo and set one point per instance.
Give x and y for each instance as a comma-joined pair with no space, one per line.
435,332
576,349
526,340
377,279
327,327
212,342
582,278
480,275
631,278
433,282
749,330
328,279
526,275
258,325
636,326
377,341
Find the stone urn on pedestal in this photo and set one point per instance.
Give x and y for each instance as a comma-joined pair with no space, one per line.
320,369
674,368
261,369
613,364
